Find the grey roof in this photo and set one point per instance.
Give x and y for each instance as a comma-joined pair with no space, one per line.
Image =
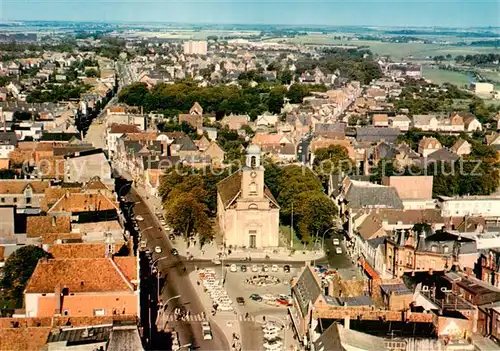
443,155
186,143
376,242
372,134
336,337
361,300
373,197
79,336
329,339
161,162
422,119
329,128
396,289
468,248
8,138
125,339
306,290
386,151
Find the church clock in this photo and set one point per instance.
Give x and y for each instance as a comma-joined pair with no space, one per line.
253,174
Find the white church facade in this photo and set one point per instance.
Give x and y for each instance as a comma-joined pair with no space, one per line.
247,212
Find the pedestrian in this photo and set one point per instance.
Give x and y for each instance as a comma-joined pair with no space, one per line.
246,315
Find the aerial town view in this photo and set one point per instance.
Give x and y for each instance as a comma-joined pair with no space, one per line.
249,176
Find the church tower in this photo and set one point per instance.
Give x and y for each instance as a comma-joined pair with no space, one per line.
252,180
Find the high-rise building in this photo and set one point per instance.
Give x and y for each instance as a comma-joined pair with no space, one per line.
195,47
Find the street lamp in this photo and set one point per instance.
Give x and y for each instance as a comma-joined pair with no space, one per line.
153,264
173,297
323,238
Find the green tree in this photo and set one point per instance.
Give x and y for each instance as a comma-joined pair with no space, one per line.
134,94
276,99
18,269
315,212
330,160
295,180
91,73
273,177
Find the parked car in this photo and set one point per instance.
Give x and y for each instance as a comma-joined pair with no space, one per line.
338,250
233,268
255,268
243,268
171,237
265,268
275,268
240,300
207,331
139,218
336,241
255,297
216,261
286,268
157,249
174,252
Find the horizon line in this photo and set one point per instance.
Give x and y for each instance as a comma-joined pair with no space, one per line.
319,26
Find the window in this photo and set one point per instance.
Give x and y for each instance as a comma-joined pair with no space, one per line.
253,207
28,200
445,249
15,199
434,248
2,200
66,312
433,264
253,188
252,239
99,312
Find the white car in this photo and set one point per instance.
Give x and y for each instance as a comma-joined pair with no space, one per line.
336,241
139,218
207,331
158,249
275,268
338,250
233,268
255,268
216,261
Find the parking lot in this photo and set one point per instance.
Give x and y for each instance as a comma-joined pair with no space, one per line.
264,287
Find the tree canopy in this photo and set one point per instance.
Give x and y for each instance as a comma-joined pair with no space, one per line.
330,160
18,270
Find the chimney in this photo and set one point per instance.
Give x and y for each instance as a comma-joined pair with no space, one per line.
58,296
347,322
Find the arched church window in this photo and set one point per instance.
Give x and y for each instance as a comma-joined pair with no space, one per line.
253,162
253,207
253,187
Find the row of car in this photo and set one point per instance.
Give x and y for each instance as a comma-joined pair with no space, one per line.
276,300
271,332
256,268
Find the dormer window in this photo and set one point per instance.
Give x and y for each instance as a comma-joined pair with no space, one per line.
434,248
446,249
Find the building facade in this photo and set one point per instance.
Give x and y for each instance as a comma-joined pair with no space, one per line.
247,212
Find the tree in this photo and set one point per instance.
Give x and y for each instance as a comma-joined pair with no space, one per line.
330,160
273,177
276,99
8,174
91,73
314,214
294,181
134,94
18,270
285,77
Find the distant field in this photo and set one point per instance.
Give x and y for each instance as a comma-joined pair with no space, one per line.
395,50
191,34
439,76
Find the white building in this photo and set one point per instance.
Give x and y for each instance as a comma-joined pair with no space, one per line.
474,206
195,47
247,211
83,167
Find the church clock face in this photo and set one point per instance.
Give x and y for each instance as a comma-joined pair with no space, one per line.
253,174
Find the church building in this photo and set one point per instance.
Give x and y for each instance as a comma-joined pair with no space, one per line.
247,212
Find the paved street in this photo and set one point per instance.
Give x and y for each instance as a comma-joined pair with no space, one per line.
176,283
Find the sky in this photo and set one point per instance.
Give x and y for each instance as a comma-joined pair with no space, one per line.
456,13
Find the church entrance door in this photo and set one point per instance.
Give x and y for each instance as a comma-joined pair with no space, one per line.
252,241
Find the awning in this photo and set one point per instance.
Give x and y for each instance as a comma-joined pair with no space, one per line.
368,269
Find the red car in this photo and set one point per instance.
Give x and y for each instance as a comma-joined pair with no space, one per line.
283,302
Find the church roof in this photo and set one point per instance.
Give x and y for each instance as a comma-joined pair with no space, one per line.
230,187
